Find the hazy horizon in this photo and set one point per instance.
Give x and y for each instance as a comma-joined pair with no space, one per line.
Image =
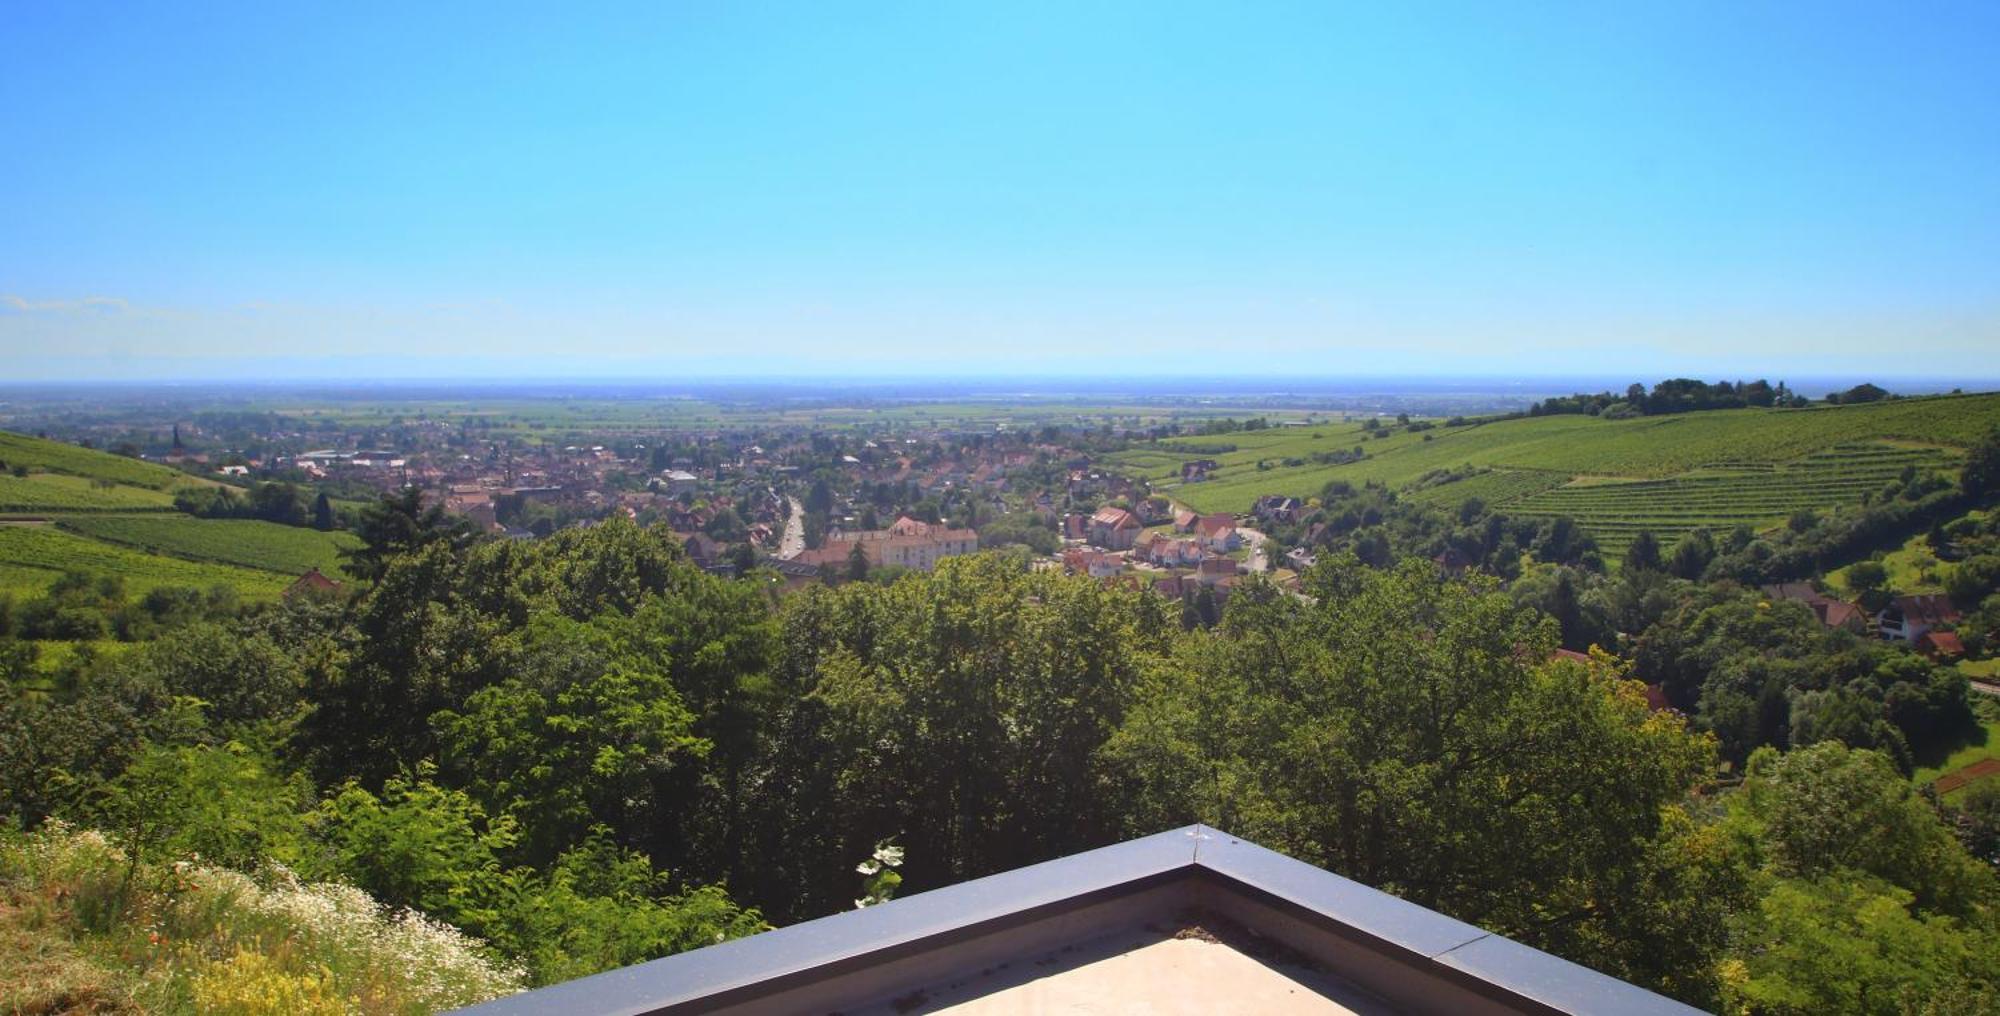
935,387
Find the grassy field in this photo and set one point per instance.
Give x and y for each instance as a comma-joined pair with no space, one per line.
1985,745
31,557
1913,568
1668,473
250,543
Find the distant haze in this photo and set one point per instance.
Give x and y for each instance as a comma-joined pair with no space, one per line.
821,191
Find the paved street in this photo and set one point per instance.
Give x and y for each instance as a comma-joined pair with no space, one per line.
794,542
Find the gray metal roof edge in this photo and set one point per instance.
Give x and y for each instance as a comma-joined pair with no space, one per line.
1492,965
714,975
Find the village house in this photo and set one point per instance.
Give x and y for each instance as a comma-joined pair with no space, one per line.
1278,509
1095,563
1831,612
1115,528
1076,526
1166,551
1909,618
1197,470
1142,546
1178,553
1213,570
1218,532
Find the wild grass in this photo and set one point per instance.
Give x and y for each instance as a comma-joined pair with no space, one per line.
93,929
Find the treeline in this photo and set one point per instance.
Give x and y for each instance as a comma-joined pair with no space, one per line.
283,503
1687,395
1752,672
81,607
1378,527
587,751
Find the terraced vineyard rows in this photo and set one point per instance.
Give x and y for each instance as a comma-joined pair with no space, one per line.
250,543
1723,497
1495,487
1658,447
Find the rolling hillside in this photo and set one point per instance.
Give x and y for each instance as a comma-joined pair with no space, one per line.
44,456
1669,474
79,509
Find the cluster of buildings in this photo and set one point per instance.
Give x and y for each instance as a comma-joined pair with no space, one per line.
1178,557
907,543
1916,620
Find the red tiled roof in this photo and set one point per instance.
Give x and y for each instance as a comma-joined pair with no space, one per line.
1941,643
1116,518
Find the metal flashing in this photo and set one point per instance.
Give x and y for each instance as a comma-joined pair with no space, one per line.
1390,936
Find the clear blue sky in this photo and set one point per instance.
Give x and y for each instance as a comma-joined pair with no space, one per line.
278,189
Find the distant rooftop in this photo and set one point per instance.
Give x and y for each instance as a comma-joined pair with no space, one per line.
1187,921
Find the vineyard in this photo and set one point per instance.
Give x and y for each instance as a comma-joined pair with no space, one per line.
1726,496
50,492
1492,487
31,557
266,546
77,509
1669,474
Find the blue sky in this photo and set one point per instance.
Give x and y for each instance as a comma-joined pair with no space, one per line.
671,189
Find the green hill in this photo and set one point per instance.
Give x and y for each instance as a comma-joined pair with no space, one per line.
109,514
41,455
1669,474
